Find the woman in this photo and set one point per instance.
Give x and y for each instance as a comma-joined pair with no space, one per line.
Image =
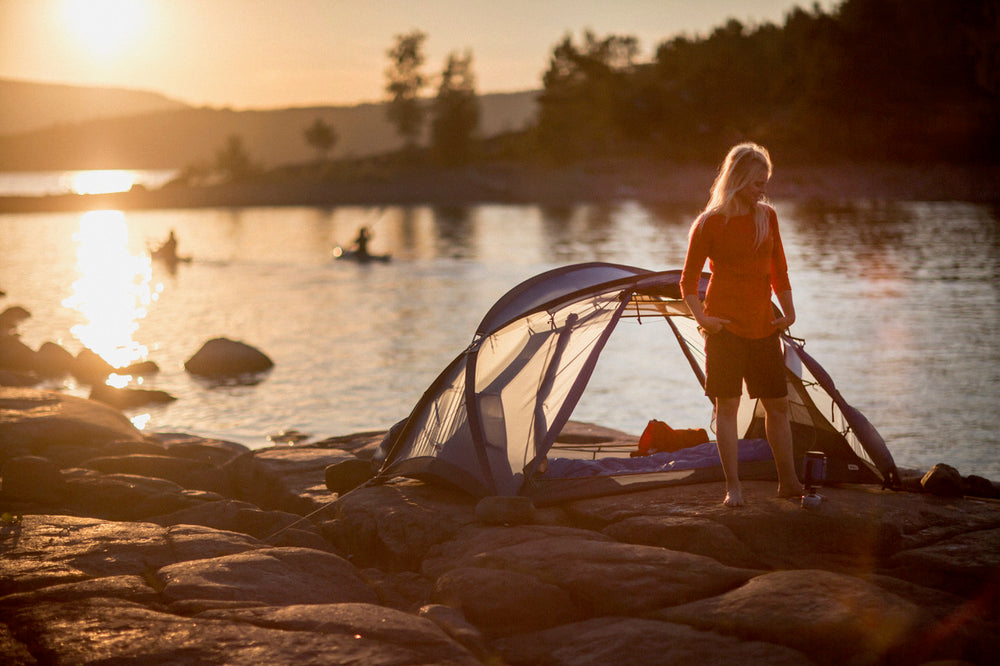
738,234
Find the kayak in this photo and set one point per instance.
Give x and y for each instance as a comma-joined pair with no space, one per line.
169,258
360,257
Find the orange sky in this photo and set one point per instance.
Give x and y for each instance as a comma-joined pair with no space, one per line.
275,53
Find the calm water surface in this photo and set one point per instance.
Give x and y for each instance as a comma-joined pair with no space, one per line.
898,301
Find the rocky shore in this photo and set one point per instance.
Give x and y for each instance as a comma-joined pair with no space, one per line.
652,182
118,546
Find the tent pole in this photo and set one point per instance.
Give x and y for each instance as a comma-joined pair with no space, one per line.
687,352
475,421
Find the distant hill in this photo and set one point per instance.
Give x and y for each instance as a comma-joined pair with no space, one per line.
31,106
179,136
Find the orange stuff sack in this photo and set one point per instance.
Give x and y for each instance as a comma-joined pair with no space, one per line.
658,436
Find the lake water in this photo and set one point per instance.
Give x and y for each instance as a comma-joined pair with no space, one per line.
898,301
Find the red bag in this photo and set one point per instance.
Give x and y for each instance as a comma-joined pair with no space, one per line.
658,436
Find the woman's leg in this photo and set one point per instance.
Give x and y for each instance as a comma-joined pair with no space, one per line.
779,436
726,410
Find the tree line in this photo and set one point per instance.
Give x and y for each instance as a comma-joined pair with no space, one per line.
879,80
874,79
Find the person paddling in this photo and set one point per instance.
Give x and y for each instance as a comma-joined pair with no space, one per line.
737,233
361,242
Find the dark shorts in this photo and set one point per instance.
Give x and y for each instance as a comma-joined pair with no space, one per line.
731,359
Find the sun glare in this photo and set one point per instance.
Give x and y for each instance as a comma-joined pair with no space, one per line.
105,27
113,291
102,181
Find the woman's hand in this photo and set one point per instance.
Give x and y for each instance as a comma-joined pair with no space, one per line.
783,323
712,324
788,308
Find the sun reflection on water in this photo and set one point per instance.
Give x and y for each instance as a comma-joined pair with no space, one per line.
114,289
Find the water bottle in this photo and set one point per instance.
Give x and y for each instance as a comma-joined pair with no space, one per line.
813,474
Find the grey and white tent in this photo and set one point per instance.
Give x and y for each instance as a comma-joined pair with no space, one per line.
492,416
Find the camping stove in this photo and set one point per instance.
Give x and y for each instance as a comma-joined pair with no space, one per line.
813,474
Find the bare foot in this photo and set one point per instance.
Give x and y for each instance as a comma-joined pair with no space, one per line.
734,497
786,491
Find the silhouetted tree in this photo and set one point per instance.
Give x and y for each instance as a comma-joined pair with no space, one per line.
583,91
405,81
232,160
455,112
321,136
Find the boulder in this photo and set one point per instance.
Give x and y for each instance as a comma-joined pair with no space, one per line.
128,398
978,486
140,369
185,472
689,534
347,475
499,510
943,480
32,479
90,368
15,355
123,496
269,576
637,642
967,564
501,602
54,550
455,625
63,428
52,360
393,526
275,527
11,317
101,630
215,451
603,577
851,528
291,478
830,617
221,357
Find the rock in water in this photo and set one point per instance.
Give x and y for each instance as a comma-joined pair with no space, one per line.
221,357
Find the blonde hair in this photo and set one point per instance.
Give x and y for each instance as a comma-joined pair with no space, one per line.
743,163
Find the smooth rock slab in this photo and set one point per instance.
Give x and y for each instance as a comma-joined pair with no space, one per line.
602,576
292,478
47,423
99,630
968,564
417,639
831,617
638,642
690,535
393,526
51,550
185,472
278,528
271,576
503,602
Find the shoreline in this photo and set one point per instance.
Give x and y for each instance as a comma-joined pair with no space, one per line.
598,182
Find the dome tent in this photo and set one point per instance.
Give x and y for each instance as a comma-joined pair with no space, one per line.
492,416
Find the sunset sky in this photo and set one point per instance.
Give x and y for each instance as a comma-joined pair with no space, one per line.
276,53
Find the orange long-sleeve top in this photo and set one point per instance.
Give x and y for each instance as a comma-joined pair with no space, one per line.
742,278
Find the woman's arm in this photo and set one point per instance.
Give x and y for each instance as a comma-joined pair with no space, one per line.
787,309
